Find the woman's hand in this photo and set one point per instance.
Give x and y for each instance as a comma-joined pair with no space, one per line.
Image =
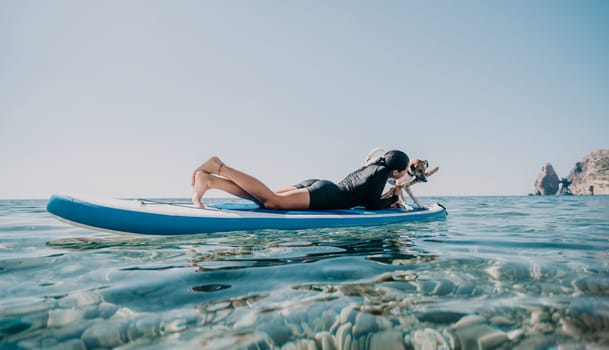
397,204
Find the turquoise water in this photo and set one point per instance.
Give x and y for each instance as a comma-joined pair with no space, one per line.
499,272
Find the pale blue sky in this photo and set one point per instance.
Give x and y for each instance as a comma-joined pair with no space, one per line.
125,98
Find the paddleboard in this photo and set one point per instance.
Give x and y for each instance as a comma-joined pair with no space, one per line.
151,217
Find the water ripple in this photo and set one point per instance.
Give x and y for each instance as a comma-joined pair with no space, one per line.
506,272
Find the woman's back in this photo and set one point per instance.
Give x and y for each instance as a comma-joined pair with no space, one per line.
364,186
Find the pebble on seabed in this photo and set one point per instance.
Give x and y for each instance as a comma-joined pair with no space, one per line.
104,334
428,339
390,339
343,336
472,332
80,299
300,344
325,341
63,317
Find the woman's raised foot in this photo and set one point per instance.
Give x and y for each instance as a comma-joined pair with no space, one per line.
200,187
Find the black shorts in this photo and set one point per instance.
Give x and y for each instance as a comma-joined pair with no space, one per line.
324,194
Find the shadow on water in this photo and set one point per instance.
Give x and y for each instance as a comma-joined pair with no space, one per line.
259,248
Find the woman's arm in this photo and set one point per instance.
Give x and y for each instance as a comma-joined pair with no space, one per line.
377,184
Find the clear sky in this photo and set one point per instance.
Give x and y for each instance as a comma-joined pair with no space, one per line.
124,98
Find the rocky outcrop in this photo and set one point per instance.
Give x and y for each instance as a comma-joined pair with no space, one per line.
547,181
591,174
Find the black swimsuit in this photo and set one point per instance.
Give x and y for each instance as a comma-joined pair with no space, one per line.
362,187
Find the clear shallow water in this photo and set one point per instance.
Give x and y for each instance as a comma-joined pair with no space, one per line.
499,272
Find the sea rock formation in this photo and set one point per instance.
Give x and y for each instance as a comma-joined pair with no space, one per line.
591,174
547,181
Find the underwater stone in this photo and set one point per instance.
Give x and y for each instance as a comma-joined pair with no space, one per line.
218,306
144,327
544,327
466,288
509,271
306,329
29,344
80,299
295,329
104,334
63,317
554,289
24,309
347,314
440,317
428,339
328,317
492,339
451,339
247,320
36,320
90,311
468,320
536,342
123,314
364,323
221,315
176,325
12,326
408,322
571,328
386,340
501,321
592,285
473,333
589,314
278,331
428,287
73,330
73,344
445,287
317,325
571,346
106,310
300,344
539,315
325,341
515,335
344,336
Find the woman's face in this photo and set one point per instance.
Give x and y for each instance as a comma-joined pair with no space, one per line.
398,174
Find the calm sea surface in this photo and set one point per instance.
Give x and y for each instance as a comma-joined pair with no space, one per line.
498,272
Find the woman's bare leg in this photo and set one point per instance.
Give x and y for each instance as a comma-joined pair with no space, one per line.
294,199
286,189
204,182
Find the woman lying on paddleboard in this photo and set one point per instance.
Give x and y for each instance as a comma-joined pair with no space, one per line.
362,187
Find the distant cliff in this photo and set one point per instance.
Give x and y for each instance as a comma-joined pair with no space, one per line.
589,176
547,182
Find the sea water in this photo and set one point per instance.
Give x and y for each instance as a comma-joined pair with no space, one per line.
498,272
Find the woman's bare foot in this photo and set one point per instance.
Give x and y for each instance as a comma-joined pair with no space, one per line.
201,180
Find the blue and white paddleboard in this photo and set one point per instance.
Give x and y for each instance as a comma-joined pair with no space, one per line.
156,218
